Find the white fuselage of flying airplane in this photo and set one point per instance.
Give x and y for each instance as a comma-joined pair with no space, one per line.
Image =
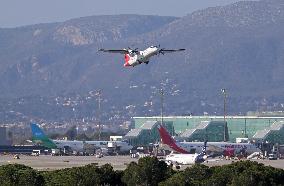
134,57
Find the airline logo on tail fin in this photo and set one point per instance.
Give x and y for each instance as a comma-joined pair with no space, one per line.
39,136
126,59
36,131
168,140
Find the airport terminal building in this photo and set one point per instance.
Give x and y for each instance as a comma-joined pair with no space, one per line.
212,128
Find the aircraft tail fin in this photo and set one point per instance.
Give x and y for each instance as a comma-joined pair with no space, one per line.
126,60
39,136
168,140
165,136
36,131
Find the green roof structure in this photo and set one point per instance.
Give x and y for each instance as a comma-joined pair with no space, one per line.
238,126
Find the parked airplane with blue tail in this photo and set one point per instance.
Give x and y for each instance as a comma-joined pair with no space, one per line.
38,136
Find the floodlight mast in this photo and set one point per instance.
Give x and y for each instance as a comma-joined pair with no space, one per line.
224,92
99,93
162,106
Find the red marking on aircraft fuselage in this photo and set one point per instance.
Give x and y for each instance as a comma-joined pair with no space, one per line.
229,152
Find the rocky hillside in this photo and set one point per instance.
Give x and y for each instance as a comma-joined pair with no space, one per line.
238,47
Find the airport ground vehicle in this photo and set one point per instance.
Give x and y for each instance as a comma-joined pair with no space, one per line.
272,156
35,153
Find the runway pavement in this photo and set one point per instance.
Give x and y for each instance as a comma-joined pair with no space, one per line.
274,163
48,162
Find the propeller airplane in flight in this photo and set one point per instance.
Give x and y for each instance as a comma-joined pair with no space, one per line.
134,57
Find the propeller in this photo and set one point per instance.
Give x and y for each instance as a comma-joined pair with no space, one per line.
161,51
133,50
136,50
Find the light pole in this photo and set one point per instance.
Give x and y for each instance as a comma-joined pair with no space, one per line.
246,128
224,92
162,105
99,93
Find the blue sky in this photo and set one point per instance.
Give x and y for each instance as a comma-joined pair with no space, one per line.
25,12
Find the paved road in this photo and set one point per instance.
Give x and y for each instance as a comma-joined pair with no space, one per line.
47,162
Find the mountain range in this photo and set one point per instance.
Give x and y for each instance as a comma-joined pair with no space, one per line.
238,47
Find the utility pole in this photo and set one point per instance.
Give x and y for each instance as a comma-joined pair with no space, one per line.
99,93
162,105
246,128
224,92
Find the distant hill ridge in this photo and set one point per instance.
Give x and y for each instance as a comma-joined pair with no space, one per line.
238,47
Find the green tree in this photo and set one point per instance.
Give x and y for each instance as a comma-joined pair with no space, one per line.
177,179
130,174
88,175
83,137
71,133
221,176
148,171
16,174
195,175
254,173
109,176
80,176
246,173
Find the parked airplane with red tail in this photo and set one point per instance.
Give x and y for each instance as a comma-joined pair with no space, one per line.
224,148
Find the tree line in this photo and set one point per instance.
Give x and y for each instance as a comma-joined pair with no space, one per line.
149,171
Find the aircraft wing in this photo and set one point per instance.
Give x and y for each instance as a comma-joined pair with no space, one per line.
121,51
170,50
